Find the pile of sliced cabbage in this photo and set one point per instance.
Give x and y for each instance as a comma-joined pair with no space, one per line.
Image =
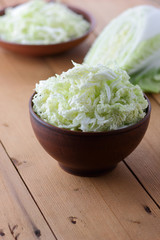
41,22
89,98
132,40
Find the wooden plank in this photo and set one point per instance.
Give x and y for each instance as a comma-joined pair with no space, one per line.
113,206
156,97
20,217
77,55
74,207
2,4
128,202
39,170
150,158
103,11
145,161
12,2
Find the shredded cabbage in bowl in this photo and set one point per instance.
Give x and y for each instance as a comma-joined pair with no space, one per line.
89,99
40,22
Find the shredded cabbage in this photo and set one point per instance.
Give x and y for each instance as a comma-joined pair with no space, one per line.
40,22
132,40
89,98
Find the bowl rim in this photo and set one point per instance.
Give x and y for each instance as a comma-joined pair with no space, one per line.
82,12
102,133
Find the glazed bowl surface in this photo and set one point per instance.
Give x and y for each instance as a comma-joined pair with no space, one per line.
88,153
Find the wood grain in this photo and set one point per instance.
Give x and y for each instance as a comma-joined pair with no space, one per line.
103,11
129,203
145,161
156,97
20,217
120,205
73,205
9,3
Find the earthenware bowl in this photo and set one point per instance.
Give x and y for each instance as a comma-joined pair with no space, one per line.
49,49
88,153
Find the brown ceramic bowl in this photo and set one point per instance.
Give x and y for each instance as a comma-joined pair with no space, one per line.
49,49
88,153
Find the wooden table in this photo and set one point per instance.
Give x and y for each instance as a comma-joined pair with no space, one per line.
38,200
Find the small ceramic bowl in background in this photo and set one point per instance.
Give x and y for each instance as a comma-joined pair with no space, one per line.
49,49
88,153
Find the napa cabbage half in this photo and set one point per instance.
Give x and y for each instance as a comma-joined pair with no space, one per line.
132,40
